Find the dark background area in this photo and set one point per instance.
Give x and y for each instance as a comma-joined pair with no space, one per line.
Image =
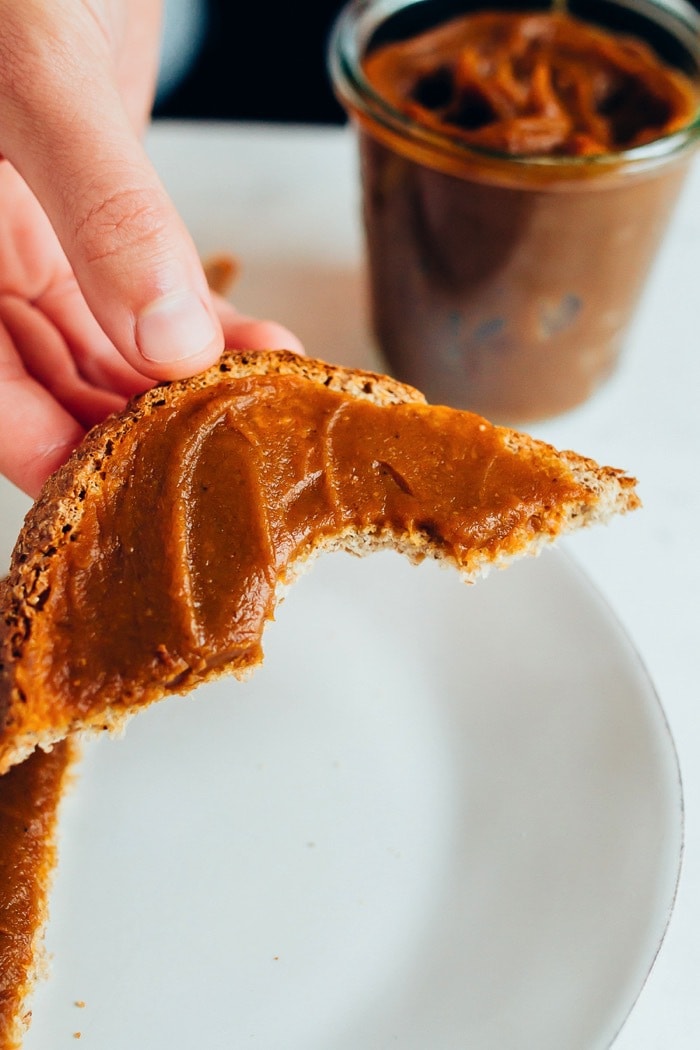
260,60
265,60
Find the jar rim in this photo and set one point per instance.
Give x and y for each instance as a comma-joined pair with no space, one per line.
359,21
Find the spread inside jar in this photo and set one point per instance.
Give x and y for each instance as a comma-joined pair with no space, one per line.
528,84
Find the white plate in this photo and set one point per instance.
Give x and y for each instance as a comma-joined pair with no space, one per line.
439,817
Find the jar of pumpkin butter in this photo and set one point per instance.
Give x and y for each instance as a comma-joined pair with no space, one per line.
518,167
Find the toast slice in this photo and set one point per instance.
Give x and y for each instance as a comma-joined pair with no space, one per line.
30,796
154,558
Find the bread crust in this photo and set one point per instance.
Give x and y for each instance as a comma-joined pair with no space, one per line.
57,514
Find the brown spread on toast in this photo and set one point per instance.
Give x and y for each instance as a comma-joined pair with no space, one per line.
151,560
29,796
171,571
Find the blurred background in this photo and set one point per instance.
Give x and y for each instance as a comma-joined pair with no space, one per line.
247,60
257,60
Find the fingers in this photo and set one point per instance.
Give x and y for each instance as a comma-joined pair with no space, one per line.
47,358
48,398
43,432
64,128
47,405
93,354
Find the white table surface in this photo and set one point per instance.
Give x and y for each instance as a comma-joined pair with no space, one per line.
285,202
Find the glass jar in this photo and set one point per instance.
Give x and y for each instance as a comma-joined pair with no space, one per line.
506,284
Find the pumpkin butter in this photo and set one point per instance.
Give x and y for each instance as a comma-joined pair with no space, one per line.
152,558
172,568
540,82
519,169
29,797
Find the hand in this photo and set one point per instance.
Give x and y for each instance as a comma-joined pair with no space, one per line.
101,289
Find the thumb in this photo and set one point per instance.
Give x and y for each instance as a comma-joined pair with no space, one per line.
65,130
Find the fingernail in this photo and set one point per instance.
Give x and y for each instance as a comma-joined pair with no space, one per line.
175,327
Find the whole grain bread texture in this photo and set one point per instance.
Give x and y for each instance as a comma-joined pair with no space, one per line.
57,514
30,796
